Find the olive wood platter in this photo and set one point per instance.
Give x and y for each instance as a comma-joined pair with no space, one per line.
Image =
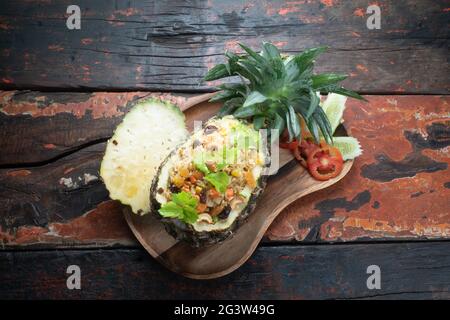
290,183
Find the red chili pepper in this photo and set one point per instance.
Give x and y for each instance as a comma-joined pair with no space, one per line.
325,162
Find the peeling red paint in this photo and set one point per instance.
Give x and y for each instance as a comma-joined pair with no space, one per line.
362,68
29,234
5,237
68,170
5,26
103,224
284,11
270,10
112,21
247,6
18,173
359,12
87,41
55,47
230,45
290,8
49,146
396,214
280,44
100,104
397,31
127,12
328,3
311,19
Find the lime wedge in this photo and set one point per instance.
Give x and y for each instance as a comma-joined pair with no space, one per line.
348,146
333,107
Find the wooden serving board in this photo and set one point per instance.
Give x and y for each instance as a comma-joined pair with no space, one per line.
290,183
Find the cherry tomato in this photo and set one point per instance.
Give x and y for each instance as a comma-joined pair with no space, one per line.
325,162
322,161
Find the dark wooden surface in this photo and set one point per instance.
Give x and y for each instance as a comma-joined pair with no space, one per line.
169,45
398,189
57,109
408,271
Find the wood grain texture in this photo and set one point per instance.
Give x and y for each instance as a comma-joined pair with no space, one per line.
408,271
398,189
169,45
39,127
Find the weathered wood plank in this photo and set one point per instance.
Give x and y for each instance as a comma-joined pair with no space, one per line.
398,188
53,204
408,271
37,127
169,45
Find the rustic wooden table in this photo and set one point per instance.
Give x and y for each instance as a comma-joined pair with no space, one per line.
64,91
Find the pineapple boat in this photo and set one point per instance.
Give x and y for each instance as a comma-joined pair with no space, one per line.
209,185
201,186
204,185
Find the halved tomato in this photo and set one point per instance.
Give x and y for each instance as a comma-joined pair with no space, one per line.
325,162
322,161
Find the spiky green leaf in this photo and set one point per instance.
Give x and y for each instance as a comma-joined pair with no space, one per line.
306,58
246,112
270,51
294,123
258,122
254,98
347,93
256,56
320,81
230,106
217,72
313,104
276,90
223,95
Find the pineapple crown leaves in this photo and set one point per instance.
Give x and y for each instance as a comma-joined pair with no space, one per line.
277,91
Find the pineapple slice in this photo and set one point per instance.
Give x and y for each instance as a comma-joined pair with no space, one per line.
146,136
